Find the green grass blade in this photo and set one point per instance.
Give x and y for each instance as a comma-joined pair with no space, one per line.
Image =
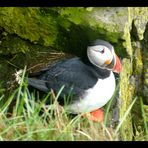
20,109
109,105
35,132
37,110
125,115
72,122
8,102
1,97
10,127
59,92
19,92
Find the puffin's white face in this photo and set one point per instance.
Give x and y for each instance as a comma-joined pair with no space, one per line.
100,55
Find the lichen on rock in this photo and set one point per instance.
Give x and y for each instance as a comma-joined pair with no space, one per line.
30,24
126,95
140,17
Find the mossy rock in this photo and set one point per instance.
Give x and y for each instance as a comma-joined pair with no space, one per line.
127,90
54,26
140,17
30,24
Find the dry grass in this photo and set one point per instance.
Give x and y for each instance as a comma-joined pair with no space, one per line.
32,119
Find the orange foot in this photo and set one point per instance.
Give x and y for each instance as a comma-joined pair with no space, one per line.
97,115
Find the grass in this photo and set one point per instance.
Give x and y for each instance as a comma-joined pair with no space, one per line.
31,119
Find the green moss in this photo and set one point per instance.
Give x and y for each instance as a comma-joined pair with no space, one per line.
137,72
145,72
140,17
43,25
12,44
30,24
75,15
138,64
94,21
92,25
127,36
146,112
131,84
126,96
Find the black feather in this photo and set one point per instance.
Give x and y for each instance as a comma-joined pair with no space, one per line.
75,75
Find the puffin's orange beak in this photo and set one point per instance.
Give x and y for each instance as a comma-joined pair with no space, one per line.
118,66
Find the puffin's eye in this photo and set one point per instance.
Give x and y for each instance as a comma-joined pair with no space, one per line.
102,51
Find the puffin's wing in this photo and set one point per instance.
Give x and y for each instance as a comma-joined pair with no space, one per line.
73,74
38,84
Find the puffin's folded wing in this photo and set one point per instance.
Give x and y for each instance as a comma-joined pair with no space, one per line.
74,75
72,72
38,84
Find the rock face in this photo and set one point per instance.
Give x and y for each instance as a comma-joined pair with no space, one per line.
27,33
69,29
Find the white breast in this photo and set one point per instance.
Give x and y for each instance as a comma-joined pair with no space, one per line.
95,97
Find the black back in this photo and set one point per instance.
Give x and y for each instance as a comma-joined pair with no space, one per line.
74,74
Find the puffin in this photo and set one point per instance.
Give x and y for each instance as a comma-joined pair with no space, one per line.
90,80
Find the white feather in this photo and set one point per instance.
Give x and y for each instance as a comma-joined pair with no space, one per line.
96,57
95,97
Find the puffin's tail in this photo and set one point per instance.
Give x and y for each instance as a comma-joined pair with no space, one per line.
37,84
